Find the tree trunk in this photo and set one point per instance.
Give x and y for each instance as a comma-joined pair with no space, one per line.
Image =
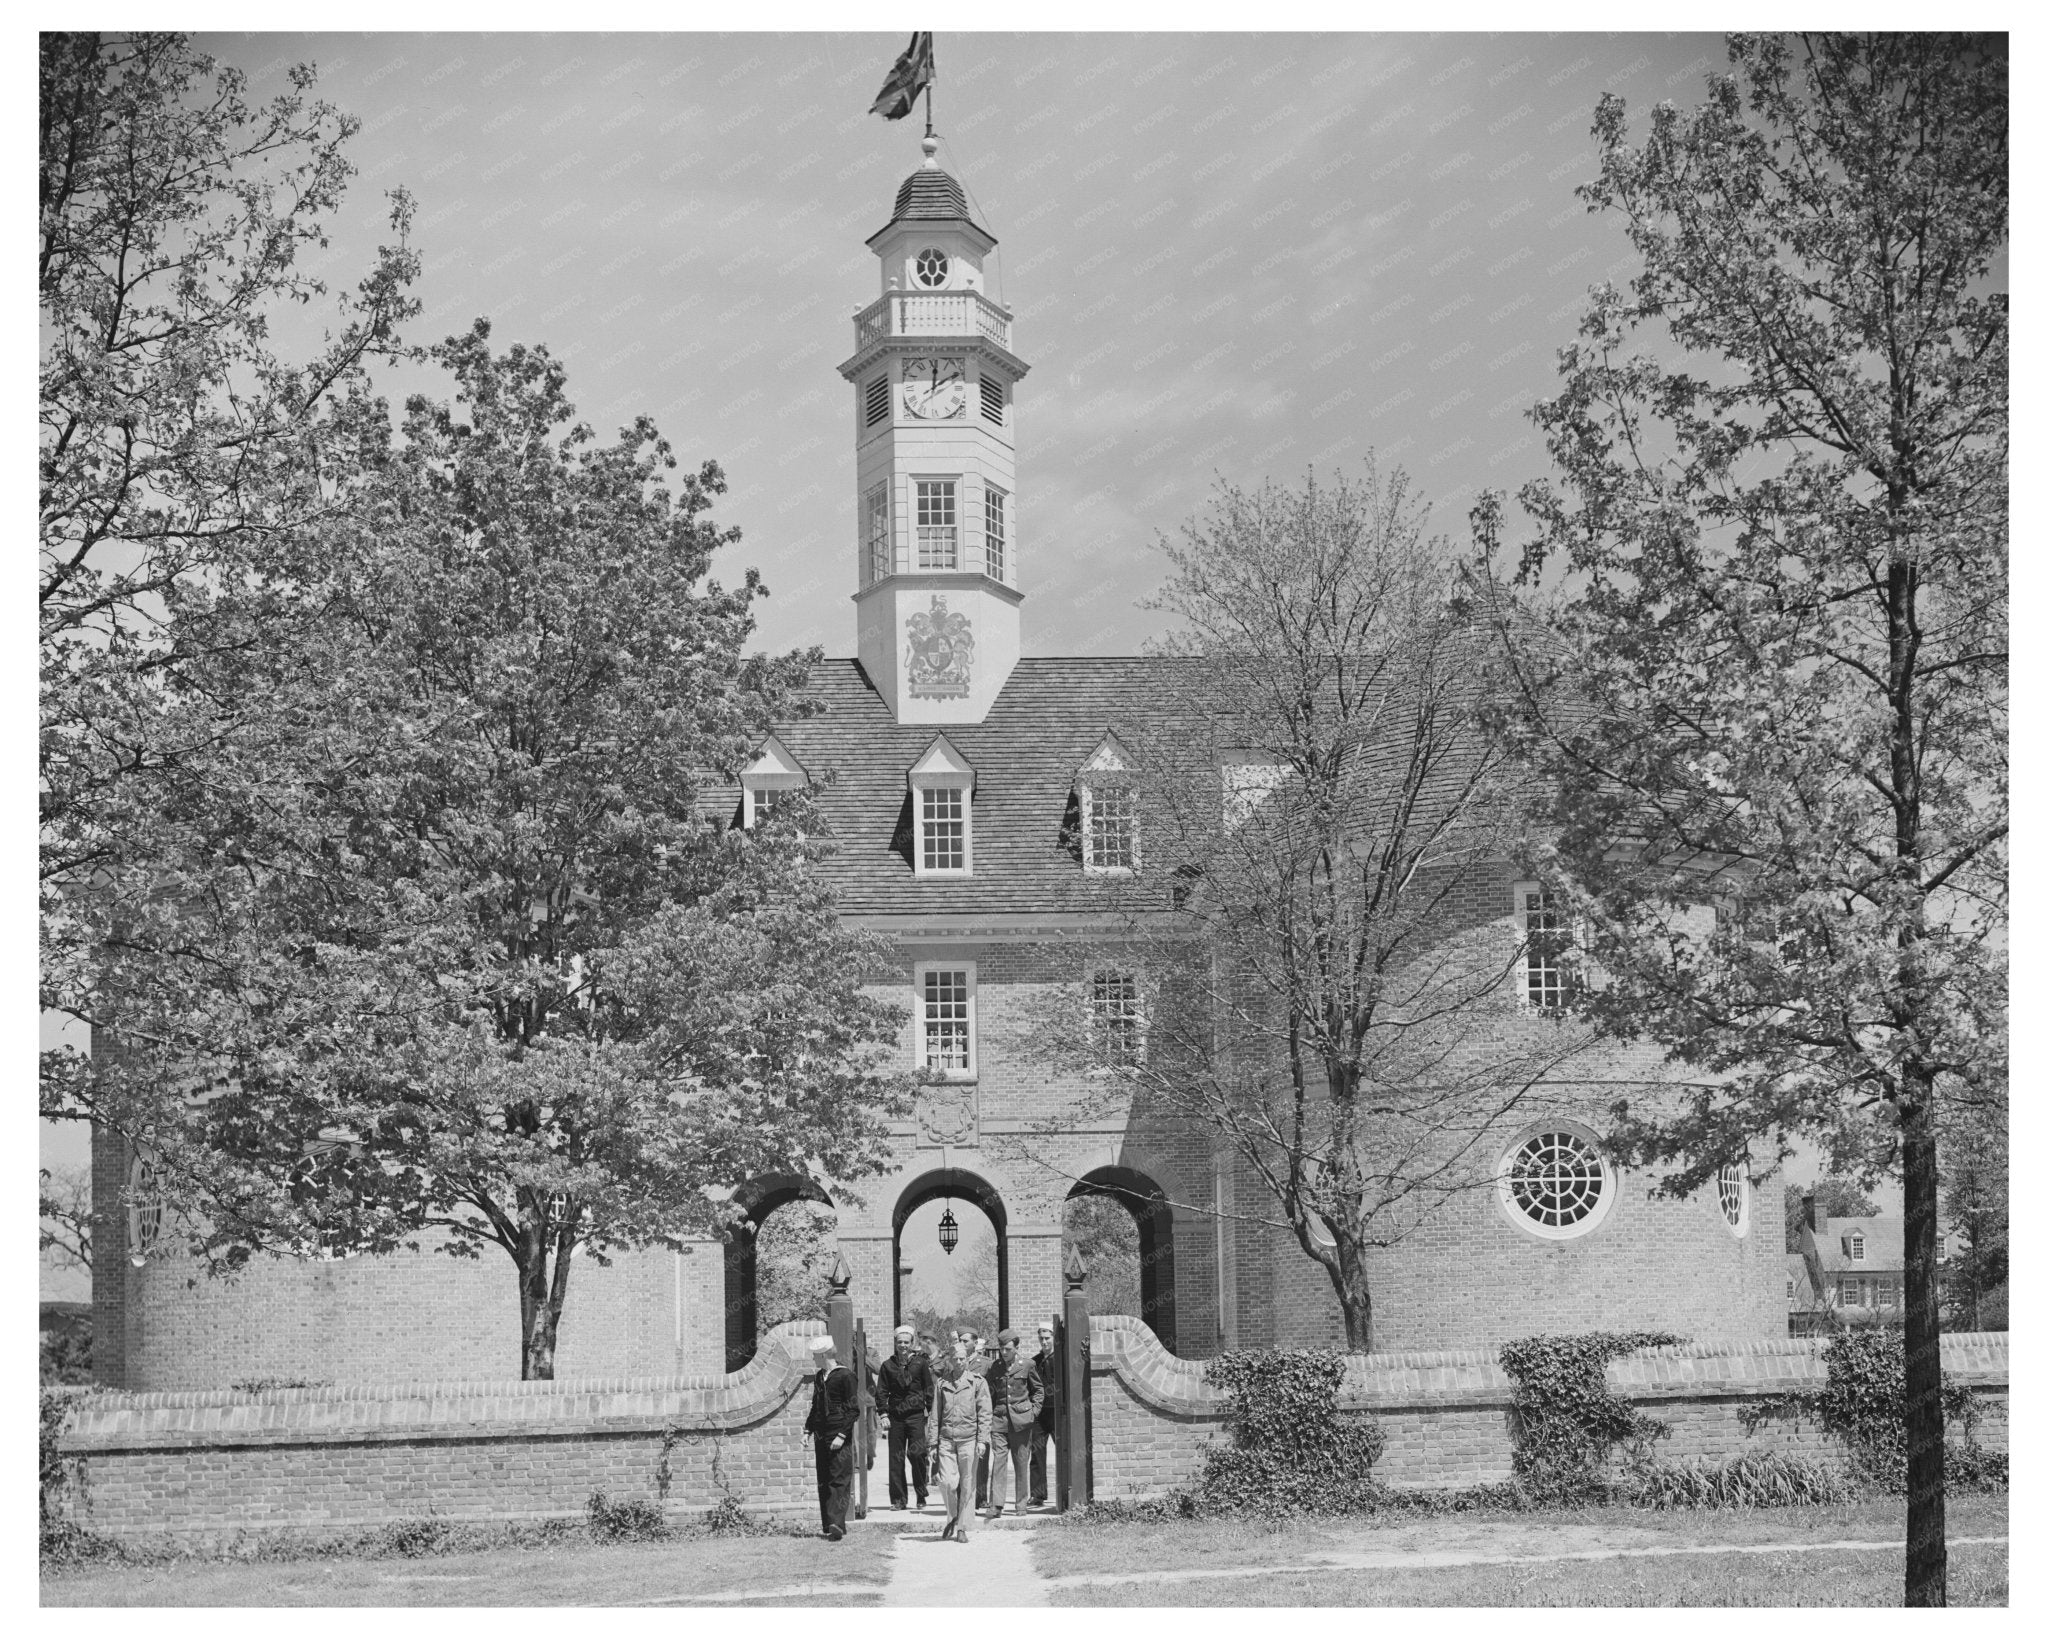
540,1308
1354,1294
1926,1478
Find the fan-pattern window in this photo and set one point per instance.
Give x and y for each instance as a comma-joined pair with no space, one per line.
942,840
1730,1183
875,528
931,268
1119,1026
878,398
995,537
145,1211
1111,828
946,1041
992,400
938,529
1546,932
1556,1179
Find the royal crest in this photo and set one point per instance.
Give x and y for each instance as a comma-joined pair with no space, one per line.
941,652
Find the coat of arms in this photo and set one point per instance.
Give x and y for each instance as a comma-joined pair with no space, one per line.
945,1114
941,651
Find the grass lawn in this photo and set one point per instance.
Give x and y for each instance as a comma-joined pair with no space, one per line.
1078,1548
1977,1576
783,1569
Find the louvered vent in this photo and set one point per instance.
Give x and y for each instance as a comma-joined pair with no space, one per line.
992,400
878,398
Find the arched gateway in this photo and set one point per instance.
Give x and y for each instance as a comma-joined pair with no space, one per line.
757,1200
1147,1204
961,1185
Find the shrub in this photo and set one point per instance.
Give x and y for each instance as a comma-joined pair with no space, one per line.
1292,1450
1566,1421
416,1538
624,1521
1756,1479
1863,1405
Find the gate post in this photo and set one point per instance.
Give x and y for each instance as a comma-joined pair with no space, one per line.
839,1308
1076,1460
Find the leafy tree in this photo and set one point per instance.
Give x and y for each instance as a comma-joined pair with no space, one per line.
1103,1231
1774,672
458,951
179,450
1316,780
64,1216
1976,1211
794,1252
1837,1197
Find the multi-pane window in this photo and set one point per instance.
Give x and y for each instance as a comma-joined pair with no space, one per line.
1852,1247
878,398
1556,1180
942,833
938,529
1109,826
947,1043
1546,934
995,534
991,400
1119,1026
1788,1289
875,531
1852,1289
1730,1185
1881,1292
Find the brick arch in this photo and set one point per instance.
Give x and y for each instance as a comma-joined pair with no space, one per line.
757,1198
1147,1203
968,1186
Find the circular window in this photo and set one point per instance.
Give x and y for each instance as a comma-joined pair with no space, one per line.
1555,1183
1734,1189
931,268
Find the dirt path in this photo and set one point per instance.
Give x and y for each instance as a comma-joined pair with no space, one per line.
1441,1559
991,1569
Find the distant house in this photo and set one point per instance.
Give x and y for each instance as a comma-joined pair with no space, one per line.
1853,1267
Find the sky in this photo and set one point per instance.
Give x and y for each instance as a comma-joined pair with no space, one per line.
1230,257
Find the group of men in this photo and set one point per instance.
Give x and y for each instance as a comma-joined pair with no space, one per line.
956,1416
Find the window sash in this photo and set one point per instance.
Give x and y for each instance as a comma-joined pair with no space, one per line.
881,556
1112,828
1546,937
1118,1019
942,828
938,527
994,537
948,1034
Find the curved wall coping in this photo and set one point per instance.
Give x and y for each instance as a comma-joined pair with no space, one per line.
710,1402
1127,1348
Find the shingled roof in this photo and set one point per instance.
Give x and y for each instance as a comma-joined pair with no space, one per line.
929,195
1049,716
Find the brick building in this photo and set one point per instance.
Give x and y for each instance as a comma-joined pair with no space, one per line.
983,807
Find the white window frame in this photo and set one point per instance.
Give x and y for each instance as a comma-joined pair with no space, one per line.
941,768
921,1020
878,536
995,508
1572,973
1097,1018
1610,1182
1738,1223
918,526
774,768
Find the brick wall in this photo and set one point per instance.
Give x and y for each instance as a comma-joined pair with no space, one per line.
198,1465
1445,1412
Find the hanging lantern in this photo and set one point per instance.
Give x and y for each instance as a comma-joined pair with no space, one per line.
949,1231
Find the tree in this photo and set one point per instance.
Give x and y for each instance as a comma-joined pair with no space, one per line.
1837,1197
1103,1231
179,452
1782,609
1316,778
794,1252
1976,1209
459,950
64,1214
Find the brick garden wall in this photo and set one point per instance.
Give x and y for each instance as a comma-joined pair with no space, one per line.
1445,1413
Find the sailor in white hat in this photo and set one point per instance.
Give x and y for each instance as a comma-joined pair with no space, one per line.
835,1407
906,1388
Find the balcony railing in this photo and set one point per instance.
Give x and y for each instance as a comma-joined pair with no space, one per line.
931,313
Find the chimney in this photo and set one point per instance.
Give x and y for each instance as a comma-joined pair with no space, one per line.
1816,1214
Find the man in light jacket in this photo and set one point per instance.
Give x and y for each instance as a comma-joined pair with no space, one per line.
1017,1398
961,1422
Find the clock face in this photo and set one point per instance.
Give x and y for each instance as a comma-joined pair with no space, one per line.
935,389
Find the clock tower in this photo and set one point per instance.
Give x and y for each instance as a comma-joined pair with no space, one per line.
934,385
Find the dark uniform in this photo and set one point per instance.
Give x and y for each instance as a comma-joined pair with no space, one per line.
835,1407
906,1389
1049,1380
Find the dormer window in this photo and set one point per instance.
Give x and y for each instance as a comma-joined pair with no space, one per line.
1109,811
1249,780
942,799
1852,1247
773,774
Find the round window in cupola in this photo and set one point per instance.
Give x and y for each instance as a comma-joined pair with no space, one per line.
932,266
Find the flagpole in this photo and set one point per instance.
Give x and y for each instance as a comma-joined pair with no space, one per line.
927,107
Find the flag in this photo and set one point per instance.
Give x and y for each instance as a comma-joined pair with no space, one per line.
912,73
